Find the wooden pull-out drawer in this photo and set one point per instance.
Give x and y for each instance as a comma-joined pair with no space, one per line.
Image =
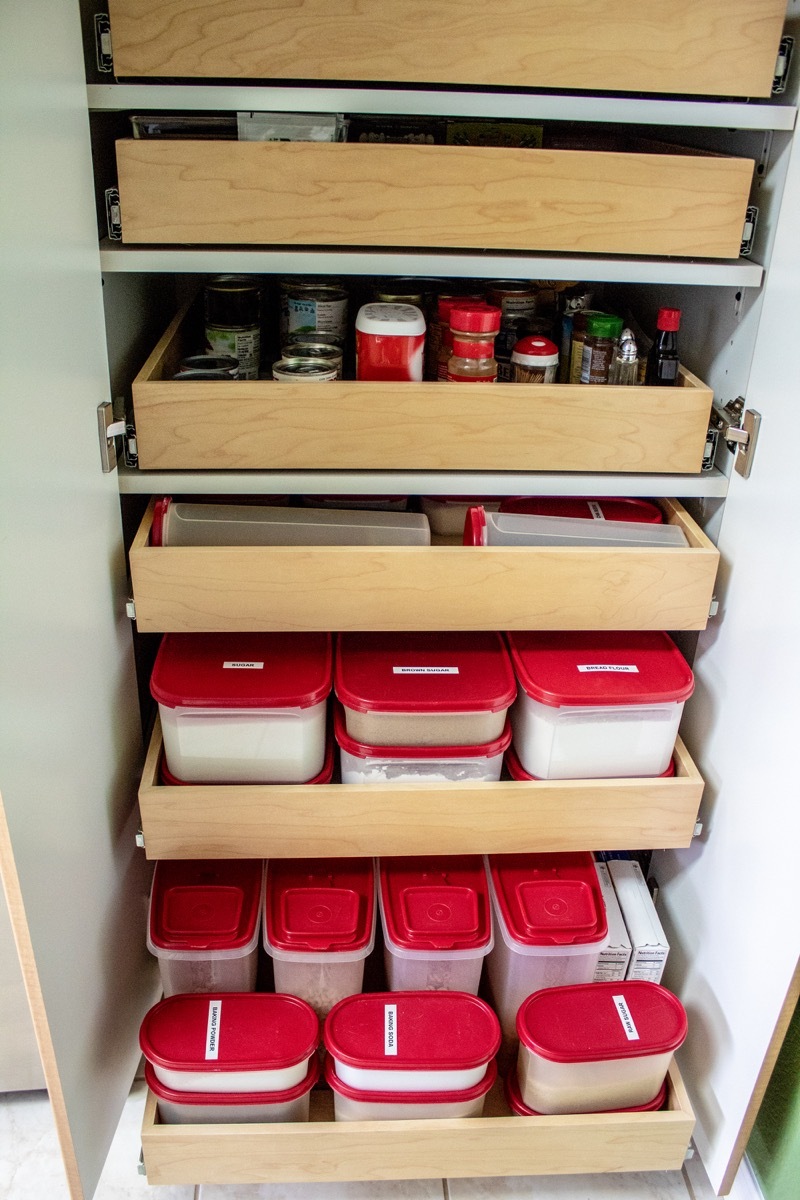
705,47
264,425
482,197
214,588
493,1145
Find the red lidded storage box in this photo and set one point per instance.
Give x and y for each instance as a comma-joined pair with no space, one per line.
614,508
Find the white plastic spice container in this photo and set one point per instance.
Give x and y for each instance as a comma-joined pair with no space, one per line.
202,1108
424,689
549,926
243,707
355,1104
437,922
319,926
411,1041
597,1047
390,342
597,705
236,1042
521,1109
204,922
362,763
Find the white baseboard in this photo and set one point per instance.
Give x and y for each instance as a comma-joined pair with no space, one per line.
745,1185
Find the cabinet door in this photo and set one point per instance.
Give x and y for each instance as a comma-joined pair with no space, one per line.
70,732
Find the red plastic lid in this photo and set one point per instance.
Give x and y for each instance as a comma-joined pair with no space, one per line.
242,670
518,1105
415,753
162,1092
669,318
549,899
159,516
429,1031
475,318
605,509
573,669
475,526
229,1031
423,672
435,902
466,1094
520,775
325,775
210,904
446,304
320,904
535,346
592,1022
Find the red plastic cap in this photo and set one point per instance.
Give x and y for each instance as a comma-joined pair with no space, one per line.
435,902
205,905
549,899
669,319
535,345
614,508
317,905
446,304
475,318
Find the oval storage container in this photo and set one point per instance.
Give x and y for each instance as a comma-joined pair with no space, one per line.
201,1108
520,1108
355,1104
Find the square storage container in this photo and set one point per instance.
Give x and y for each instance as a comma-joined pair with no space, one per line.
362,763
424,689
236,1042
203,924
482,528
224,1108
319,926
325,775
411,1041
520,1108
549,926
597,705
243,707
597,1047
355,1104
517,772
437,922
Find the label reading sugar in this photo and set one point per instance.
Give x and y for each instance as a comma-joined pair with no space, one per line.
623,1012
243,666
614,667
596,510
390,1029
424,670
212,1032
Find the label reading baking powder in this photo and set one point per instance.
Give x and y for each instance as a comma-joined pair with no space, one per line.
424,670
623,1012
390,1029
243,666
212,1032
596,510
614,667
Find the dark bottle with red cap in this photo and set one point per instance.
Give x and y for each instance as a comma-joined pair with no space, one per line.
662,361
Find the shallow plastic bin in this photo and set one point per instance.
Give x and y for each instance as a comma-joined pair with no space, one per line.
361,763
203,924
411,1041
423,689
483,528
354,1104
319,926
201,1108
447,514
606,508
437,922
597,1047
520,1108
243,707
517,772
235,1042
549,926
597,705
325,775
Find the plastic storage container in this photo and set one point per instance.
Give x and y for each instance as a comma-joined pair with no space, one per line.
355,1104
597,705
238,1042
325,775
437,922
203,924
520,1108
598,1047
202,1108
447,514
243,707
362,763
517,772
390,342
613,508
411,1041
319,926
482,528
549,926
424,689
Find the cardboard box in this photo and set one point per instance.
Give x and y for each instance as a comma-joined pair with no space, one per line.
649,944
614,959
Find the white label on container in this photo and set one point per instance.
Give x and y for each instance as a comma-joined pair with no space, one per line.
596,510
623,1012
425,670
390,1029
624,670
243,666
212,1032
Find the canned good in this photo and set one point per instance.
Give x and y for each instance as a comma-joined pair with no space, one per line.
305,370
312,307
208,366
304,347
233,321
517,303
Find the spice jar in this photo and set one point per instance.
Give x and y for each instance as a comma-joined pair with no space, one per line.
602,332
439,336
534,360
473,328
390,342
579,321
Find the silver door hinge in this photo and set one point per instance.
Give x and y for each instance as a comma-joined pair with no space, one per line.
739,428
102,42
782,65
749,231
108,430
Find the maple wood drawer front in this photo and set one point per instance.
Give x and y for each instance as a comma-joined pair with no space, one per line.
701,47
185,588
486,197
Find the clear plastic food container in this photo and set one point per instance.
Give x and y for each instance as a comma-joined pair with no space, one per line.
319,926
202,1108
325,775
597,705
243,707
549,926
235,1042
354,1104
447,514
517,772
424,689
203,924
362,763
520,1108
437,922
597,1047
411,1041
482,528
606,508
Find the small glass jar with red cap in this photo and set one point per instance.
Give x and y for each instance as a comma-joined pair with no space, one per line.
474,328
662,361
534,359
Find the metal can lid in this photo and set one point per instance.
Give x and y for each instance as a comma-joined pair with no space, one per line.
313,370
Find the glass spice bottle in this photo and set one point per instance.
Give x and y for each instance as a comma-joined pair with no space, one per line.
602,332
474,328
625,368
662,361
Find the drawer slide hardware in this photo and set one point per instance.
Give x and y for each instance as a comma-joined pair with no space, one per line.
140,838
108,430
739,428
749,231
114,215
102,42
130,609
784,61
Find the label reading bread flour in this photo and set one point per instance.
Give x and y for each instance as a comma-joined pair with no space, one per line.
390,1029
596,510
212,1032
623,1012
425,670
243,666
612,667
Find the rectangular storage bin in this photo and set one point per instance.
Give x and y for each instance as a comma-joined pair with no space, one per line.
325,776
355,1104
482,528
234,1108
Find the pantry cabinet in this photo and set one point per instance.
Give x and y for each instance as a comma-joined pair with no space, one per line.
75,754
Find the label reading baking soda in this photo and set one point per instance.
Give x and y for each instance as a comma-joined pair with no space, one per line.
624,670
390,1029
623,1012
424,670
243,666
212,1032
